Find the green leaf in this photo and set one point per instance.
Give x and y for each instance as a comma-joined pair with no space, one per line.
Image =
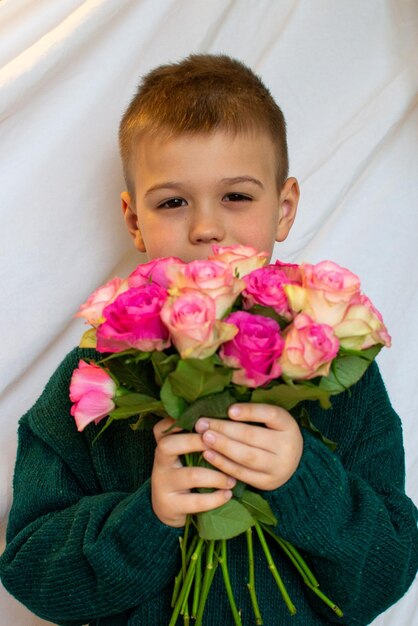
194,378
105,427
163,365
135,403
227,521
135,399
370,354
258,507
130,352
174,405
145,424
305,421
239,489
288,396
347,369
215,405
137,376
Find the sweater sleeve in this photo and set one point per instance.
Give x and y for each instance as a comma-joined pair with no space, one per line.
348,511
74,554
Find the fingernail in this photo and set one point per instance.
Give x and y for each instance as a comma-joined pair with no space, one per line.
209,455
234,411
201,425
231,482
227,494
209,437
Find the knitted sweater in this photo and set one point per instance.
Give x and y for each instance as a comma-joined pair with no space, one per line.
84,545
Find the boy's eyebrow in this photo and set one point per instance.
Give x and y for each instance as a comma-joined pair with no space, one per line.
165,185
243,179
229,181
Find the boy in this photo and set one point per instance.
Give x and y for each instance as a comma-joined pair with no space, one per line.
93,532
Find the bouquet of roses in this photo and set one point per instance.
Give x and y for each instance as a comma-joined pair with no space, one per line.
190,339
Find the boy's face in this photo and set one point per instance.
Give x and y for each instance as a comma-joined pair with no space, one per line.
193,191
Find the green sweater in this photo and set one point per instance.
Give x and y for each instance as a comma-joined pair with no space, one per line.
84,545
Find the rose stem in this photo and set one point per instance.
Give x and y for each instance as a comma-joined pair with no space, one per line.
187,583
326,600
207,580
197,583
184,546
306,573
224,566
191,549
251,577
272,567
177,582
184,610
296,559
180,576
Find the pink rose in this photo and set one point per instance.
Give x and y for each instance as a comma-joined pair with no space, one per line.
242,259
92,309
92,390
362,326
155,271
309,349
214,278
338,282
326,292
194,329
292,271
133,321
265,287
254,351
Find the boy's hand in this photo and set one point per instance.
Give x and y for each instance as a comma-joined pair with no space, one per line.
264,458
172,482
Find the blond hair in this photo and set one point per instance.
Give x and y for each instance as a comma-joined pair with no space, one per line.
202,93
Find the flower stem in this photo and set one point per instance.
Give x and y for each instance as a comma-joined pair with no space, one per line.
185,557
187,583
304,570
326,600
177,582
197,583
227,582
272,567
207,580
251,577
184,546
295,557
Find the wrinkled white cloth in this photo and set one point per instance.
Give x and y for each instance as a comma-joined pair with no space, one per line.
346,77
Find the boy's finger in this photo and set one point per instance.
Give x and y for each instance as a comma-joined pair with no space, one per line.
202,478
162,426
274,417
170,447
200,502
254,457
254,436
249,475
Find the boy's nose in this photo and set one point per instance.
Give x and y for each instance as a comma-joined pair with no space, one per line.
206,228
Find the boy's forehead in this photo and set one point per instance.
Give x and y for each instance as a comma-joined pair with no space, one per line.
157,152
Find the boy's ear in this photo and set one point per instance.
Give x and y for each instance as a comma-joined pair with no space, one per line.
131,221
289,199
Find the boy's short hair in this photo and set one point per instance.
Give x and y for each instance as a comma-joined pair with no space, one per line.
202,93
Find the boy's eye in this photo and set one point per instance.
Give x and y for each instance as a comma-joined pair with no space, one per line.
236,197
172,203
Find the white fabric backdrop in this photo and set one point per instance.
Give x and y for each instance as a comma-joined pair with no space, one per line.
345,75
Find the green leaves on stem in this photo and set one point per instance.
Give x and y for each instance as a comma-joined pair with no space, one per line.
201,557
163,384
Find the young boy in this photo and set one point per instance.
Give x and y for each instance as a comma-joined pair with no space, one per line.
93,532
